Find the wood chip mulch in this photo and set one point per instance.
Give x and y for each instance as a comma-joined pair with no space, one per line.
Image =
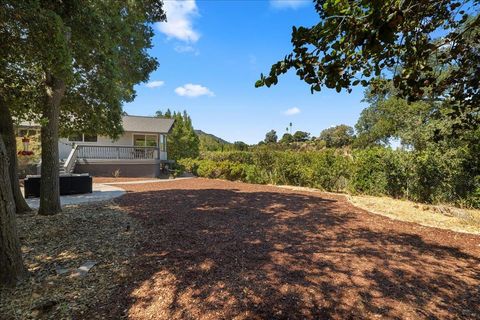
98,237
212,249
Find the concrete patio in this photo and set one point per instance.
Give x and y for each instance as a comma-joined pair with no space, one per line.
101,192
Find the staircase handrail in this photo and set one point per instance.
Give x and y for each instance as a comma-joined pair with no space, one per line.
71,160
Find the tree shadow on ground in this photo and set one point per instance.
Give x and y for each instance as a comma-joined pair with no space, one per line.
216,253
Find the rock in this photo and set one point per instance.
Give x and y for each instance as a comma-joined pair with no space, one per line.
61,270
84,268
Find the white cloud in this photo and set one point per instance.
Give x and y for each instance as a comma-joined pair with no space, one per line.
186,49
182,48
291,4
252,59
180,14
193,90
155,84
291,111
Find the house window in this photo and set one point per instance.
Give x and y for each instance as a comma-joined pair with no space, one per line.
90,138
163,143
83,138
75,138
27,133
145,140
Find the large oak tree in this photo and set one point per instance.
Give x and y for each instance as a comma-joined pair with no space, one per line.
89,55
11,265
68,65
356,41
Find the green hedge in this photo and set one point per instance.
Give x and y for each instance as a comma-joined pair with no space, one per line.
430,176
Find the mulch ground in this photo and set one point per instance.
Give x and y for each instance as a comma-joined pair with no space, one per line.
99,232
214,249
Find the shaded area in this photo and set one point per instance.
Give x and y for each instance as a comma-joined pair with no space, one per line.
55,246
217,249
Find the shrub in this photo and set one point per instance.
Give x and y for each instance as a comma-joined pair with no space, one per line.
189,165
433,176
287,169
329,171
234,156
369,172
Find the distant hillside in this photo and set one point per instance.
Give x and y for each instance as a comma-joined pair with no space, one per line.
210,142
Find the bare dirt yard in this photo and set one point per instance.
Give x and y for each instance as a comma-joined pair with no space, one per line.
211,249
219,250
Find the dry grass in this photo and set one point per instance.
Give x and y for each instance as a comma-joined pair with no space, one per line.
98,232
439,216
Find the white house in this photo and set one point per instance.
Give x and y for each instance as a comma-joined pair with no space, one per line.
138,152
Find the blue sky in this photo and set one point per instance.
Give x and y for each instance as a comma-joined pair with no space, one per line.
212,52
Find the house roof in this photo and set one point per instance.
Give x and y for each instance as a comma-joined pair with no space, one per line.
132,123
147,124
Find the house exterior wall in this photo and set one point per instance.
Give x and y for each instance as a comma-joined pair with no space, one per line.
126,167
65,146
108,168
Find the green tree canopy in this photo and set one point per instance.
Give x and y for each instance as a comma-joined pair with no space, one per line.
182,141
416,124
338,136
240,146
80,61
286,138
98,49
301,136
271,137
357,40
210,142
413,123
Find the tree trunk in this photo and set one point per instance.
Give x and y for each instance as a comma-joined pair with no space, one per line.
12,269
49,182
8,134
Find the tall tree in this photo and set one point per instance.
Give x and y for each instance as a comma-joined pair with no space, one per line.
413,123
338,136
301,136
12,269
271,137
97,52
286,138
182,141
357,40
7,132
19,82
417,125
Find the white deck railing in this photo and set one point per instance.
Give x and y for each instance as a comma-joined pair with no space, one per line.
69,164
117,152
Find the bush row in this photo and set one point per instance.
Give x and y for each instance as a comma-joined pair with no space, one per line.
430,176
